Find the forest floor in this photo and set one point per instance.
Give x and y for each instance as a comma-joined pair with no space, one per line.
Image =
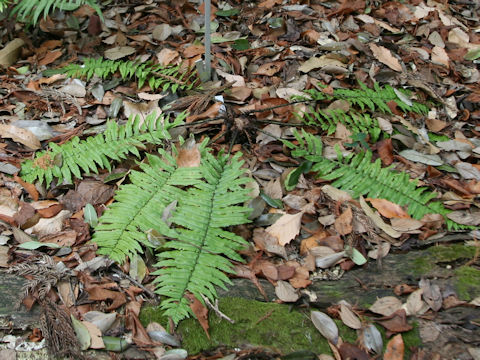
358,125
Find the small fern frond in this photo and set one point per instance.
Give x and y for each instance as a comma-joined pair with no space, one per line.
77,156
33,9
139,206
198,258
157,76
358,175
372,99
354,121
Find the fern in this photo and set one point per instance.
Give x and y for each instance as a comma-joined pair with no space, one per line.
157,76
196,260
33,9
354,121
96,152
358,175
372,99
139,205
197,255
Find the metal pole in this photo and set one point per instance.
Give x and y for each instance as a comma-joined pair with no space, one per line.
208,44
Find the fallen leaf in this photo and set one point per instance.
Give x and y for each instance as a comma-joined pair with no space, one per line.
349,318
286,292
395,349
388,209
325,325
386,305
22,136
385,56
270,69
200,311
377,220
286,228
95,335
343,223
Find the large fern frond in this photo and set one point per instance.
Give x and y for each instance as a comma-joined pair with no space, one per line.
139,206
172,77
77,156
33,9
360,176
372,99
198,258
354,121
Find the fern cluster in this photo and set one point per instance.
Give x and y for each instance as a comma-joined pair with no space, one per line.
31,10
196,255
157,76
357,174
97,151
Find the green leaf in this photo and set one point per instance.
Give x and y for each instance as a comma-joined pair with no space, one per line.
276,203
241,44
355,255
82,333
291,180
32,245
230,12
473,54
90,215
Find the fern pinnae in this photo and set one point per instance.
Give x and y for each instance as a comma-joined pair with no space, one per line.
356,173
138,206
198,260
77,156
170,77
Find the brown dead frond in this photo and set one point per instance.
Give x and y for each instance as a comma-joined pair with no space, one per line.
41,275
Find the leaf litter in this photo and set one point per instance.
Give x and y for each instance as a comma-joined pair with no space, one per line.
300,232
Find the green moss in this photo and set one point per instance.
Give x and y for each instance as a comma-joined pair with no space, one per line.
467,283
451,252
427,264
282,329
270,325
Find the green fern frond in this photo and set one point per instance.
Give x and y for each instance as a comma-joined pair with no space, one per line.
77,156
139,206
198,258
157,76
354,121
372,99
33,9
358,175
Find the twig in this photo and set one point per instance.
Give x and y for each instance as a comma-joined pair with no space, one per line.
216,309
148,292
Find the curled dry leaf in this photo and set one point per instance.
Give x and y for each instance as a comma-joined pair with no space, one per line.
372,339
325,325
329,260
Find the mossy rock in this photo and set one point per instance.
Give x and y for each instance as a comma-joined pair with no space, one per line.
277,327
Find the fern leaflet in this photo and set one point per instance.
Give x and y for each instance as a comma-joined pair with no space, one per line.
33,9
95,152
358,175
354,121
197,259
157,76
373,99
